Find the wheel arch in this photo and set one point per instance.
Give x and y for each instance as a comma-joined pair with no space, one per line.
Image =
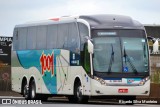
77,79
31,79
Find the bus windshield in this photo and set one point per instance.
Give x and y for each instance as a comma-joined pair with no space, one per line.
120,51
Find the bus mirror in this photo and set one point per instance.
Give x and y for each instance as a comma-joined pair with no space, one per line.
90,47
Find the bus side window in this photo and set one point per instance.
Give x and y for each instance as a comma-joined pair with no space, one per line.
52,34
15,39
83,30
22,32
86,59
62,36
41,37
73,38
31,37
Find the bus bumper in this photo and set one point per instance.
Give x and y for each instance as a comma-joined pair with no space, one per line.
99,90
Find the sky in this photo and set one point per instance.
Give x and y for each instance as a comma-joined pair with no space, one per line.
13,12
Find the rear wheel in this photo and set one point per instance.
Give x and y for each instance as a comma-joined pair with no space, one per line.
32,90
25,90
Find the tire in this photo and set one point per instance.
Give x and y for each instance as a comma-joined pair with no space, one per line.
25,91
32,90
78,97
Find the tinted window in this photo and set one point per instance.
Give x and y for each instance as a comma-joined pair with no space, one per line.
31,38
41,37
83,33
52,36
73,38
15,39
22,32
62,36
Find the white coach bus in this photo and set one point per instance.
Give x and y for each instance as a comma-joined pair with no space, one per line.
81,57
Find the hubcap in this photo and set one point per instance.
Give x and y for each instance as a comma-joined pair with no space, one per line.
25,91
79,92
33,92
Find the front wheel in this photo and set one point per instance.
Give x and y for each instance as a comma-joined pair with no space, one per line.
79,98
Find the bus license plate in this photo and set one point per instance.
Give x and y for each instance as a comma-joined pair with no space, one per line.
122,90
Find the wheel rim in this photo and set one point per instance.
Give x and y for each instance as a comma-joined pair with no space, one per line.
79,92
33,92
25,91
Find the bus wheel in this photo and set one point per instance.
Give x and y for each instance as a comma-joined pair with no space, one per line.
32,90
79,98
25,91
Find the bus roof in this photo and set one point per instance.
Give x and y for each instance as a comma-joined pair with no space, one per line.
111,21
95,21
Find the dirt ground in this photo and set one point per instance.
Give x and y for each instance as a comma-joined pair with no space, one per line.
10,93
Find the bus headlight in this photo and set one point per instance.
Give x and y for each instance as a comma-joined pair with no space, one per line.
100,80
143,81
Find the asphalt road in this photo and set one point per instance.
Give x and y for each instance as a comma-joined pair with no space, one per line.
63,102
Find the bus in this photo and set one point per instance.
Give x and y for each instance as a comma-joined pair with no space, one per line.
81,57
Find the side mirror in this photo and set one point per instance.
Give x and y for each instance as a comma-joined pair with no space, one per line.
90,47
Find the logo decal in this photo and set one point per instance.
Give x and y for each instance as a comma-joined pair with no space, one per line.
46,62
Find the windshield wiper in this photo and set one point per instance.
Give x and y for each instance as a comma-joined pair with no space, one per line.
111,60
129,61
